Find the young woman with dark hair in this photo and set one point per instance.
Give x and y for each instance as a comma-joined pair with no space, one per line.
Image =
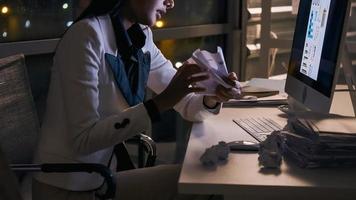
102,66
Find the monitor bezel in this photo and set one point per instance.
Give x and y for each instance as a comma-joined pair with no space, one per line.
304,94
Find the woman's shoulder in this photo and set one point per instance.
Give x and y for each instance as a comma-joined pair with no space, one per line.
83,34
87,24
86,29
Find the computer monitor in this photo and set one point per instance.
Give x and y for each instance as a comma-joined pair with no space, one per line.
315,56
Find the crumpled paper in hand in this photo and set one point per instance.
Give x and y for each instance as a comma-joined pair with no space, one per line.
214,64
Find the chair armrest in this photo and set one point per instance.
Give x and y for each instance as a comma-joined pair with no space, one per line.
149,146
74,167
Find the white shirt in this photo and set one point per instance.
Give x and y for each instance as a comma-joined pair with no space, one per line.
84,103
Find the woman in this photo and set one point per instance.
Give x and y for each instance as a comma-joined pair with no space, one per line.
101,68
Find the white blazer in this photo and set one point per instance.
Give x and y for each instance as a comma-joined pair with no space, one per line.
84,103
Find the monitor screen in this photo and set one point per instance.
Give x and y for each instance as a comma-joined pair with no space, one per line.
317,38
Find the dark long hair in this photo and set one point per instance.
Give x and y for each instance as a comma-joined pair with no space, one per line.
97,8
100,7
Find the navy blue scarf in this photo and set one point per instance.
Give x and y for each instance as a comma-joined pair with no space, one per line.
131,67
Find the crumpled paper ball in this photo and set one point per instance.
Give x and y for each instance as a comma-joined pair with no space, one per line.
271,151
215,153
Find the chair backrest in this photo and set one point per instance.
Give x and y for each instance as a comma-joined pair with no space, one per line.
19,126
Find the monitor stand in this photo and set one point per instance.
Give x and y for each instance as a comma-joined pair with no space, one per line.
293,107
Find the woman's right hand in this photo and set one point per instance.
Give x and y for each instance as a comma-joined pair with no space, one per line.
180,86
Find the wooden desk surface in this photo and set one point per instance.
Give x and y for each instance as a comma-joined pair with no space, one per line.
242,177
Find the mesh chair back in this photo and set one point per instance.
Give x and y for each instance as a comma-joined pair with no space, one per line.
19,124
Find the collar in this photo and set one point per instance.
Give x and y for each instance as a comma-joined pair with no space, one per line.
128,42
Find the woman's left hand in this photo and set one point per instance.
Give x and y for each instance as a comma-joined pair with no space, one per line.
223,94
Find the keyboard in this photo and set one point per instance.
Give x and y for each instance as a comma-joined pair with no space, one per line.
258,127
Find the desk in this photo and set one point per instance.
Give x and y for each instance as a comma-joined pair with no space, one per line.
240,178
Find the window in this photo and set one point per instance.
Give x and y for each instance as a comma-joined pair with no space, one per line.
37,19
180,50
282,20
197,12
34,19
34,26
281,25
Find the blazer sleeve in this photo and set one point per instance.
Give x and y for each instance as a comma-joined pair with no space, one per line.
162,71
81,56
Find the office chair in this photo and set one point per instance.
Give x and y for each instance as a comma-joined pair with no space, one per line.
19,127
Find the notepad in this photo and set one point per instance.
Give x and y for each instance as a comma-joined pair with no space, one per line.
258,92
